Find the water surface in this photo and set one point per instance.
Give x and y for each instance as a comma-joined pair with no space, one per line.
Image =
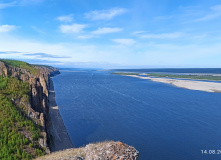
162,121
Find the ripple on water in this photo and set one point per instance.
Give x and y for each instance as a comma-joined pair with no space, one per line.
160,120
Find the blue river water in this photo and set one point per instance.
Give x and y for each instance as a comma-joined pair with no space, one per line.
161,121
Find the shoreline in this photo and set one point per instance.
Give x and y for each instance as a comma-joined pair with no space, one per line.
187,84
59,138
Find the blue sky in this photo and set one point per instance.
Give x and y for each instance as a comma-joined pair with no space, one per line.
112,33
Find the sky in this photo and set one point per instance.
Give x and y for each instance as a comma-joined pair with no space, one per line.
112,33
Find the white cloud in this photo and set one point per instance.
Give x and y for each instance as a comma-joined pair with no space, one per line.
85,36
138,32
124,41
20,3
7,28
5,5
38,30
74,28
21,47
30,2
216,8
160,18
67,18
163,35
153,54
105,14
98,32
215,13
106,30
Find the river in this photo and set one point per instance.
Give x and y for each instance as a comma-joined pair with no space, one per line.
161,121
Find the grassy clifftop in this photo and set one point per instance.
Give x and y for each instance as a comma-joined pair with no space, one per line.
21,64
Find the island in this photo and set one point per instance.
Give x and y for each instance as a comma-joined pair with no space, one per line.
200,82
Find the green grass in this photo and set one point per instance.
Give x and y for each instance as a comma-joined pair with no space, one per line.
21,64
14,124
40,65
198,77
125,73
3,82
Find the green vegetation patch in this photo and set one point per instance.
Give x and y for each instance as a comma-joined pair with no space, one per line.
3,82
199,77
125,73
19,135
21,64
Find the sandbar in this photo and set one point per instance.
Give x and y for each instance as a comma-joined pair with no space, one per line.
188,84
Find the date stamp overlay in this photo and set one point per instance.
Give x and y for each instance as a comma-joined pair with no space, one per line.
211,152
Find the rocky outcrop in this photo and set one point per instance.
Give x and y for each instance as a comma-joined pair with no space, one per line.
3,69
38,107
100,151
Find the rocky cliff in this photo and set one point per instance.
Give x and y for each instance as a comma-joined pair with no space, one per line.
37,108
99,151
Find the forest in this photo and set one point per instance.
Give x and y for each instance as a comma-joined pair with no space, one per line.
19,135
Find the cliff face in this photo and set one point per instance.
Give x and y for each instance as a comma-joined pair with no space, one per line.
37,108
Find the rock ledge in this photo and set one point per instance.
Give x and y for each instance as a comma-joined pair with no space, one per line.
99,151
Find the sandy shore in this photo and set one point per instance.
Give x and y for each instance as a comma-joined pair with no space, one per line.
188,84
60,137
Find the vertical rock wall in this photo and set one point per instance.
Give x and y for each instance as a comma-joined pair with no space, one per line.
38,107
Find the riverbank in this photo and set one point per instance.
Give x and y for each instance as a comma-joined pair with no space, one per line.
188,84
59,138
